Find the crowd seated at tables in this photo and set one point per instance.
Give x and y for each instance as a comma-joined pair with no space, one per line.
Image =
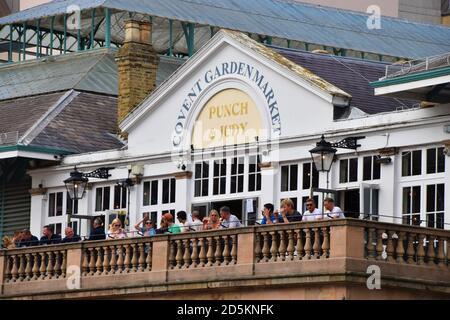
146,227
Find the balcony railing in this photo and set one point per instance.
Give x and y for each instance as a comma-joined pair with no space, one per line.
300,252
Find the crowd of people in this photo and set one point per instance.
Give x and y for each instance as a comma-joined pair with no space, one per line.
222,219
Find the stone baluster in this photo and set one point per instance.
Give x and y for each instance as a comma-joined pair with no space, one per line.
141,261
92,261
258,249
283,245
35,266
113,263
120,261
57,264
127,258
106,260
390,250
50,265
410,251
15,268
431,253
179,256
227,251
291,246
370,247
202,252
21,267
210,254
187,253
266,248
43,268
308,244
85,263
64,264
317,245
8,267
218,254
148,261
441,253
401,247
194,255
28,269
135,260
326,243
300,245
421,250
234,251
99,261
274,248
172,255
380,247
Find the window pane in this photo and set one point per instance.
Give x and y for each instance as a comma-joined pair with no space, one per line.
406,164
117,197
376,169
284,178
441,160
59,204
75,207
430,220
98,199
294,178
146,201
233,187
240,184
106,198
241,166
154,193
440,197
51,205
198,188
69,204
173,189
416,200
417,163
205,188
198,170
252,183
223,184
354,170
216,168
315,180
343,171
205,170
58,228
431,198
440,220
234,166
431,161
216,187
166,186
367,168
258,182
406,200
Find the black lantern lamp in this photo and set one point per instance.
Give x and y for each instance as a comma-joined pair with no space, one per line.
323,155
77,183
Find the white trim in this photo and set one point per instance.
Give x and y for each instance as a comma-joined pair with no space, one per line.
411,85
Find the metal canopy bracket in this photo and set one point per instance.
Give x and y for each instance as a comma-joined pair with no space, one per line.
101,173
348,143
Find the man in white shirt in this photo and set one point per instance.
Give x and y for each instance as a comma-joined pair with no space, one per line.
332,211
197,224
312,213
228,221
184,224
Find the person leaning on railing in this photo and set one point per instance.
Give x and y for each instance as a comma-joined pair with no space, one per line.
115,230
98,232
147,229
312,213
49,237
331,210
168,226
287,213
228,220
28,240
268,215
71,237
212,222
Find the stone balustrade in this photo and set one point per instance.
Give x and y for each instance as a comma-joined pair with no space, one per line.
310,256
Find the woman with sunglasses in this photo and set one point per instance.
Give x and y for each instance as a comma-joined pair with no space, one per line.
213,222
115,230
147,229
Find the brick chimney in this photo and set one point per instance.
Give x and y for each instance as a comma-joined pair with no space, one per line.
137,62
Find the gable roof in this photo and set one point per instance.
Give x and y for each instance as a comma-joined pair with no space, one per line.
352,75
92,71
273,59
282,19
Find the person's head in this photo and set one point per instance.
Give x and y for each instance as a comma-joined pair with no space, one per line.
214,216
287,205
182,216
310,205
268,208
69,232
116,225
7,242
167,220
225,213
196,215
26,235
18,235
148,224
48,231
328,203
97,223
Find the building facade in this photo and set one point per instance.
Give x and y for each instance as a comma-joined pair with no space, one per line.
234,126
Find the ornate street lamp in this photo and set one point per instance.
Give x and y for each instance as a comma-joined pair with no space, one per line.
76,184
324,154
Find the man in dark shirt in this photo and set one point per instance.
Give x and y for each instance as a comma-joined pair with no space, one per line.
49,237
28,240
71,237
287,213
98,232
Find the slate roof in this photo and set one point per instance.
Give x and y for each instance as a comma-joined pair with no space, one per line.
351,75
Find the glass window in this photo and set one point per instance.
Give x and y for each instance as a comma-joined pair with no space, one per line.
201,179
220,177
237,175
371,169
310,176
55,204
435,161
289,178
348,170
169,186
412,163
254,183
102,198
435,206
51,204
411,205
71,205
120,197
